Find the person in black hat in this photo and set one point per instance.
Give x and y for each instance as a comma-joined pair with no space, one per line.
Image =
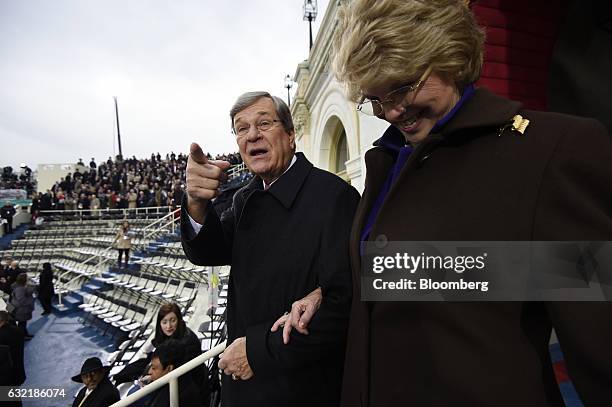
98,390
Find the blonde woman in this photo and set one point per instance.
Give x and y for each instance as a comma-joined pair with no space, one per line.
459,163
123,242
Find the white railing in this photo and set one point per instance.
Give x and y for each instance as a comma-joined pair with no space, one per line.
171,215
126,212
66,286
171,224
236,170
171,379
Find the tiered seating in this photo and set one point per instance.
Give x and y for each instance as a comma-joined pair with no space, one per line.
117,311
129,295
168,259
79,249
117,302
157,287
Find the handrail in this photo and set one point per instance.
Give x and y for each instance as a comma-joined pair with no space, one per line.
160,219
162,227
146,210
142,209
59,294
172,379
238,168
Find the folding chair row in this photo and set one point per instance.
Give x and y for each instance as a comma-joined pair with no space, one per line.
115,311
178,268
157,288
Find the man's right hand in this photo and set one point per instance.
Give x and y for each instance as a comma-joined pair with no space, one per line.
203,179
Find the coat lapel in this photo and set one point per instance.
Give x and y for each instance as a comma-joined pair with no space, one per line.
484,110
286,189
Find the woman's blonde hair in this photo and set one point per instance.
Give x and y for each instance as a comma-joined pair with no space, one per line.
394,41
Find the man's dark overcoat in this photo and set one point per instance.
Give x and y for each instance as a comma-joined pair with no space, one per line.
282,244
13,337
189,395
467,183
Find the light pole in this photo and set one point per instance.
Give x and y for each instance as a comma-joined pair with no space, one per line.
310,14
288,85
118,131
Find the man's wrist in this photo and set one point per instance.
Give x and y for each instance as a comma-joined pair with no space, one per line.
197,210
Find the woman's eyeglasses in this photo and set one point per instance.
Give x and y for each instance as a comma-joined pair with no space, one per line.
375,107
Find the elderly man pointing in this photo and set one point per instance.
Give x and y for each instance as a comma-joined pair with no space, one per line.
285,236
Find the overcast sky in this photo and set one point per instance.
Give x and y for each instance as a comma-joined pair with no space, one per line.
176,66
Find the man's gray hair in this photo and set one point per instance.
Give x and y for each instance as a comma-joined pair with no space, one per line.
249,98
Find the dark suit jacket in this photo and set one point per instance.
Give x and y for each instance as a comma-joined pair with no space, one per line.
552,183
188,395
13,337
282,244
103,395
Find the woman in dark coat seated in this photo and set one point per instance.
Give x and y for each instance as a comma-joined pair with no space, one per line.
170,325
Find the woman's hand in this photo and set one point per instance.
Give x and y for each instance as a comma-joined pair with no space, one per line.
301,313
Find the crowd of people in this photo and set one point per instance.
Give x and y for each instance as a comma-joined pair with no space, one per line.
124,183
22,180
15,283
16,308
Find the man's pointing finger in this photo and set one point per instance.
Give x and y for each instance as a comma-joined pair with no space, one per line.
196,154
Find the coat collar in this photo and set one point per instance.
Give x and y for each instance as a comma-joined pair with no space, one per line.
483,110
285,188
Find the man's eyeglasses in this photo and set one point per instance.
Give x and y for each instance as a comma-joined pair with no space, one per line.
263,125
375,107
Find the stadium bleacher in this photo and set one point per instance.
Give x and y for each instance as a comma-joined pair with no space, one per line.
116,306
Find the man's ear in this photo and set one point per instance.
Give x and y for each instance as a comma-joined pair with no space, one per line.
292,139
169,368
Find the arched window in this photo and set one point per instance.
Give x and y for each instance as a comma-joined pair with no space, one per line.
341,152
